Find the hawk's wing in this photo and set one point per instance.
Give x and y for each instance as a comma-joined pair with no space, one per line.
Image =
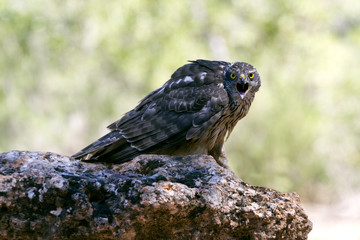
190,102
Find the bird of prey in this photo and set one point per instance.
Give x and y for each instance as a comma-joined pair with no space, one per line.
190,114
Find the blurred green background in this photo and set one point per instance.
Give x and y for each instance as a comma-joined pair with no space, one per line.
70,68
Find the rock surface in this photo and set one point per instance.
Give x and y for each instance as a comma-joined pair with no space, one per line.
49,196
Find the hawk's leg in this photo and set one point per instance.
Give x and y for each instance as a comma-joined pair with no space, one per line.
218,152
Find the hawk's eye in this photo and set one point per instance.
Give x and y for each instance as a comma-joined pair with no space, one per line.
233,75
251,75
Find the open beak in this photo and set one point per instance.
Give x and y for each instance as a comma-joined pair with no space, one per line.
242,86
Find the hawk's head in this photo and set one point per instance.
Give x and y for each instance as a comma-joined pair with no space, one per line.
241,80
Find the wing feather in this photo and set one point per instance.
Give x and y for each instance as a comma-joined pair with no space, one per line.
185,106
186,112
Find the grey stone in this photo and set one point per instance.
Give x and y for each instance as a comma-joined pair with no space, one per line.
49,196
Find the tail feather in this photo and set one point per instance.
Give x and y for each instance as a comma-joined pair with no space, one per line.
110,148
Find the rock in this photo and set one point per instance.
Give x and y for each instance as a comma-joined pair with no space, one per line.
49,196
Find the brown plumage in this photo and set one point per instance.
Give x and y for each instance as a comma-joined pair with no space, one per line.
190,114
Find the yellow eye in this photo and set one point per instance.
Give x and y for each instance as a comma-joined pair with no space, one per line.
233,75
251,75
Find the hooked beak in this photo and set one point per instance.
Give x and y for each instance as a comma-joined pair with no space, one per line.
242,86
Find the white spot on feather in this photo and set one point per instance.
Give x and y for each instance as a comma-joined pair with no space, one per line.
178,81
188,79
203,75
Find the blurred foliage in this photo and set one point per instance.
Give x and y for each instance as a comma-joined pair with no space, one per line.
70,68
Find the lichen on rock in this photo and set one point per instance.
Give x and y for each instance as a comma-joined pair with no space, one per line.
49,196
